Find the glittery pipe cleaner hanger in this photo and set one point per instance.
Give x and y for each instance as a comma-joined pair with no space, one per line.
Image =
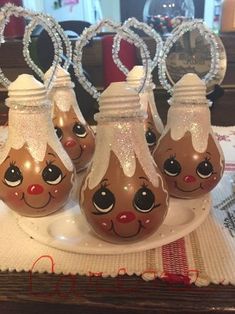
55,27
177,33
124,33
9,10
148,30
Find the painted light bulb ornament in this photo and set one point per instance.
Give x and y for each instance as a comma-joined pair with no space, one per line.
123,196
153,126
188,153
71,128
36,172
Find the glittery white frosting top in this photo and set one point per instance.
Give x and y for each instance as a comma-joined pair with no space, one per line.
189,111
30,122
120,131
62,93
146,98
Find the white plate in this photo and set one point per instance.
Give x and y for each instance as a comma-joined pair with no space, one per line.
67,230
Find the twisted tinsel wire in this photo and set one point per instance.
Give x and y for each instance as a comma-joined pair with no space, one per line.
126,34
134,23
177,33
49,25
9,10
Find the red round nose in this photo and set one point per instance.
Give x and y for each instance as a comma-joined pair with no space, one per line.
189,179
125,217
70,143
35,189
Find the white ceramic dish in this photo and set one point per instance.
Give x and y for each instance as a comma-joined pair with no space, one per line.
67,230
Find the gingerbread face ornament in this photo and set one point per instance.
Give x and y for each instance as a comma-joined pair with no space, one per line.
188,153
36,173
72,130
123,197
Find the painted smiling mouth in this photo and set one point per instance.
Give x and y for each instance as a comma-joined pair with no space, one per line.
176,186
126,237
38,207
79,156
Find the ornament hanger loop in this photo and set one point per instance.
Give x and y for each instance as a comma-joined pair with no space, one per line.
127,35
177,33
56,28
9,10
134,23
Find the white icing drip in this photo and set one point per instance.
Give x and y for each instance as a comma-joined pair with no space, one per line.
192,118
65,99
126,140
35,130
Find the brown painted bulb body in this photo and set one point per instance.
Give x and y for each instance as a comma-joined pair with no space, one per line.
77,137
122,208
188,153
188,173
123,196
36,174
33,188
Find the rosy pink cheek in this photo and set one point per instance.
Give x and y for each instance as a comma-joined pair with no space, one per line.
146,222
210,183
14,197
105,224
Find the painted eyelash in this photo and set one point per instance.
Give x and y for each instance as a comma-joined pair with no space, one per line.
104,184
173,156
207,158
144,185
49,162
12,163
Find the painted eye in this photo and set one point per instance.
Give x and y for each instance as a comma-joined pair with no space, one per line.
79,130
13,176
150,137
52,174
144,200
103,200
204,169
172,167
59,133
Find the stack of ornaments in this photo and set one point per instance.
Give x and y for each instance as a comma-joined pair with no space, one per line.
132,166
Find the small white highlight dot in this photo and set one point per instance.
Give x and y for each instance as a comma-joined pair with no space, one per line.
147,221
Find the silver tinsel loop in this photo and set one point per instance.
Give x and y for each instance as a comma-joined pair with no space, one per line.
177,33
50,24
10,9
124,33
134,23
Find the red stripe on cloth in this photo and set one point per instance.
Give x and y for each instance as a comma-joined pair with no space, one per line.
229,168
174,260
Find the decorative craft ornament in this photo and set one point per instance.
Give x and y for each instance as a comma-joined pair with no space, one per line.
188,153
36,173
188,26
123,196
153,125
9,10
54,27
75,134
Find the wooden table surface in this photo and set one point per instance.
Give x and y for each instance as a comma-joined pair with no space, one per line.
44,293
